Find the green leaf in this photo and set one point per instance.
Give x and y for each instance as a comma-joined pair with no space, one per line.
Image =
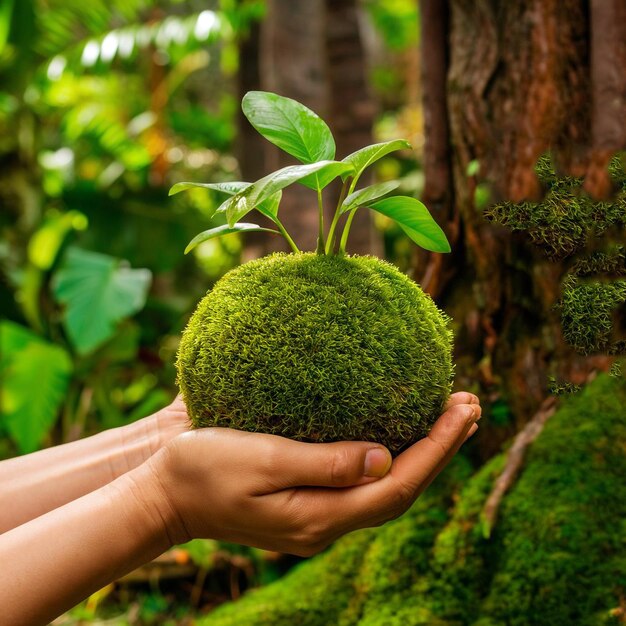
98,291
226,230
45,244
251,197
473,167
364,157
326,176
35,375
289,125
6,12
230,187
367,194
415,220
268,207
13,338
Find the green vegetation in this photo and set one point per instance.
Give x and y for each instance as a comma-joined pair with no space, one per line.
566,217
566,222
555,556
318,348
303,135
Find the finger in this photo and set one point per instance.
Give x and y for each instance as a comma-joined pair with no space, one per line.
379,501
471,432
444,462
461,397
340,464
414,466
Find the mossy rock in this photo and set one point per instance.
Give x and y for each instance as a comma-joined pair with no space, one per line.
317,348
556,556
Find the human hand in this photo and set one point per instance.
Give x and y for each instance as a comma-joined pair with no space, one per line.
283,495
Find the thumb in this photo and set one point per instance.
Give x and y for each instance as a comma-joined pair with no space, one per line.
340,464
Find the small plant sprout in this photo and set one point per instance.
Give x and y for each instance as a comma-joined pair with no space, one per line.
304,135
318,345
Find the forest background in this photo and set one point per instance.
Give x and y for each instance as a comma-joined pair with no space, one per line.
516,112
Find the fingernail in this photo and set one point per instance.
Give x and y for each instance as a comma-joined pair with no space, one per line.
474,400
477,411
377,462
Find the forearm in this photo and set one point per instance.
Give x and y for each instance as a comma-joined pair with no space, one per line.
51,563
34,484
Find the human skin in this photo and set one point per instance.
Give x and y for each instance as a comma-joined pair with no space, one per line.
251,488
34,484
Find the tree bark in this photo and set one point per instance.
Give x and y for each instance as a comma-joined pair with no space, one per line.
311,51
518,83
351,107
608,88
294,65
433,270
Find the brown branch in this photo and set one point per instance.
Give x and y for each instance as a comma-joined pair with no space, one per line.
515,459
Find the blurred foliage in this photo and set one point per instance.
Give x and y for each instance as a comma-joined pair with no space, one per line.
398,22
104,104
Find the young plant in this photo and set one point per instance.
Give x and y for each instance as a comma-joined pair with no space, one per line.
301,133
318,346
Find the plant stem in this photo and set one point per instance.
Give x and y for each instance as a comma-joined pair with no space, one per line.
285,234
346,230
320,237
330,241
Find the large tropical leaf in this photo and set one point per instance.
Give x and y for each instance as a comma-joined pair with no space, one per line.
35,375
289,125
415,220
98,291
78,34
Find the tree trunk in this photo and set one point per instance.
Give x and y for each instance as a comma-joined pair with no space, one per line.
351,108
311,52
518,85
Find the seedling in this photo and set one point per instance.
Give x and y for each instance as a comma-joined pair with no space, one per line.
317,345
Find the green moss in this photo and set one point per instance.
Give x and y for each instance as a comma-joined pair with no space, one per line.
317,348
566,216
556,557
304,596
360,575
560,556
588,309
395,572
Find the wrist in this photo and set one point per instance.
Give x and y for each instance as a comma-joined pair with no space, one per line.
151,508
162,496
145,437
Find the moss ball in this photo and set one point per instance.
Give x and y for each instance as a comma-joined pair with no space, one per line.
317,348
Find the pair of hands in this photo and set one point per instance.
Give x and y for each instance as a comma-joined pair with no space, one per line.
120,498
279,494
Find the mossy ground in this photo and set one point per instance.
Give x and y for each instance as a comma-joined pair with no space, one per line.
317,348
556,557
